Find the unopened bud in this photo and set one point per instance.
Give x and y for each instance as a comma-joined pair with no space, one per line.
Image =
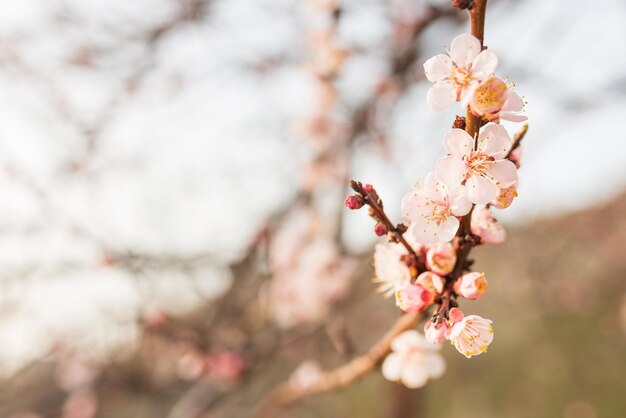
381,229
354,202
461,4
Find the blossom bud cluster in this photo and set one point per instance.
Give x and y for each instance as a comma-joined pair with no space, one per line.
426,266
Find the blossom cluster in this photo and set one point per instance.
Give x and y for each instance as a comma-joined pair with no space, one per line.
424,262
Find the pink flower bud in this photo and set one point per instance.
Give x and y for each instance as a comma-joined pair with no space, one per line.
460,4
413,298
441,258
487,227
516,155
430,281
505,198
354,202
435,334
471,285
380,229
455,315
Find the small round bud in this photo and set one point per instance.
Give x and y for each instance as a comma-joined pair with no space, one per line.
354,202
461,4
381,229
368,187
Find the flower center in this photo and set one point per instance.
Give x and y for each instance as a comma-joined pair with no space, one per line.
440,213
478,163
489,97
460,76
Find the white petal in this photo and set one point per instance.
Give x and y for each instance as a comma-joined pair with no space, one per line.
392,367
503,173
414,376
480,190
459,203
458,142
513,102
464,49
406,341
447,229
434,188
441,96
513,118
494,140
412,202
425,232
438,68
484,64
451,170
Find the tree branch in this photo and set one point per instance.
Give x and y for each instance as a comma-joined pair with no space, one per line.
288,392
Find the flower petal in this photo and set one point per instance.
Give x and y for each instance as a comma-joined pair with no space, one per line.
512,117
434,188
392,367
436,365
503,173
514,102
458,142
425,231
451,170
494,140
438,68
459,203
414,376
464,49
441,96
412,202
447,229
484,64
480,190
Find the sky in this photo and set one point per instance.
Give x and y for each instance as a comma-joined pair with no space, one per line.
121,133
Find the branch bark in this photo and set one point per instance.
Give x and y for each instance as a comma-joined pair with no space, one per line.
288,392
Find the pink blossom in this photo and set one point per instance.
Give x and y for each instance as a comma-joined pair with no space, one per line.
479,165
413,360
487,227
391,272
492,100
433,207
455,75
413,298
505,198
471,335
435,333
430,281
471,285
441,258
307,375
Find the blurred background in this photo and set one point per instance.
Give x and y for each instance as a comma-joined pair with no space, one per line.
173,241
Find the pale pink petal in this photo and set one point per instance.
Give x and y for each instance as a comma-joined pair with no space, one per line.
458,142
414,376
467,93
513,118
513,103
412,203
447,229
425,232
494,140
484,64
434,188
503,173
464,49
451,170
392,367
480,190
438,68
407,340
441,96
459,203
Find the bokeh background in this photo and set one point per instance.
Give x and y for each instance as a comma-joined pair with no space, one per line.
172,236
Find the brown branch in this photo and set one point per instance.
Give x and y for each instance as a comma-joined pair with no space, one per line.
288,392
